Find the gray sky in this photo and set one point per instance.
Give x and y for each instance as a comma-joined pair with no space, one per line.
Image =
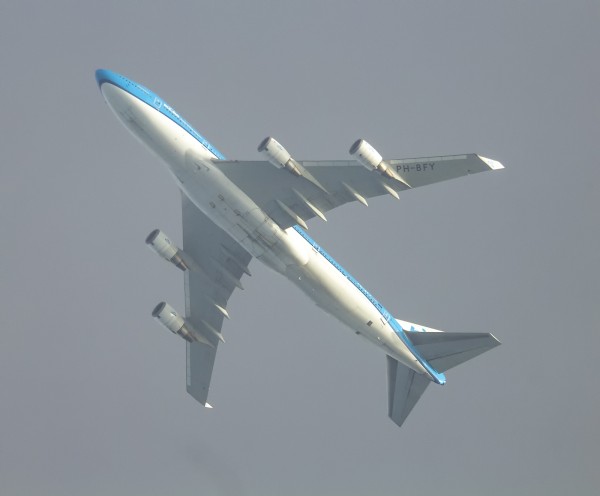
93,391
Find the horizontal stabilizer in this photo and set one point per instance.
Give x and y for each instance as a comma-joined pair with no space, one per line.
444,350
405,387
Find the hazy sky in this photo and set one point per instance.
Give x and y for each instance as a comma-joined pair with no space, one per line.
92,391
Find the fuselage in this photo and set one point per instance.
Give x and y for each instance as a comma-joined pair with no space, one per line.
193,162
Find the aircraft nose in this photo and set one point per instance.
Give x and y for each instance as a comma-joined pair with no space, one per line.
100,76
104,76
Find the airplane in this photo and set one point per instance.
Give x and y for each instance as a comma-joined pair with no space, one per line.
234,211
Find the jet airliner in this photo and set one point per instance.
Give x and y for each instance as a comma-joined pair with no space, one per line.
234,211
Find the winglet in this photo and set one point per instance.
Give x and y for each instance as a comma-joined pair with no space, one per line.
492,164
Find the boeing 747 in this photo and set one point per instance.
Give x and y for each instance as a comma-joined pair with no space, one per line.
234,211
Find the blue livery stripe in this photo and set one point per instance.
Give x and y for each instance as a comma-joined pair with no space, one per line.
152,99
439,377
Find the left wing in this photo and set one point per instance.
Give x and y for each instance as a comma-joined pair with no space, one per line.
216,264
291,199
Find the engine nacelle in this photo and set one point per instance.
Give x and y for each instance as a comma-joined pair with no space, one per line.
165,248
279,156
369,157
169,318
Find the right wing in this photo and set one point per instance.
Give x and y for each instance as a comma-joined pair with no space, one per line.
216,264
289,199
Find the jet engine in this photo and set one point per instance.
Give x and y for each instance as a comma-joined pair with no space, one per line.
369,157
279,156
169,318
165,248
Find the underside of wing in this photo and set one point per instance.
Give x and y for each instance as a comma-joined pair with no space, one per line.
200,360
292,198
216,264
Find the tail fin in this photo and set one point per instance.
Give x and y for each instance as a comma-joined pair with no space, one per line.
444,350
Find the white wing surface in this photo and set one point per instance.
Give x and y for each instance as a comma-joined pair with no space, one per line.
289,199
217,263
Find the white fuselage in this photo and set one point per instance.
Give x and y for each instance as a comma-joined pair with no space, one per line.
286,251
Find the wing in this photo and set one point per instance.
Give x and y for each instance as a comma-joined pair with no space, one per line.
289,199
217,263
